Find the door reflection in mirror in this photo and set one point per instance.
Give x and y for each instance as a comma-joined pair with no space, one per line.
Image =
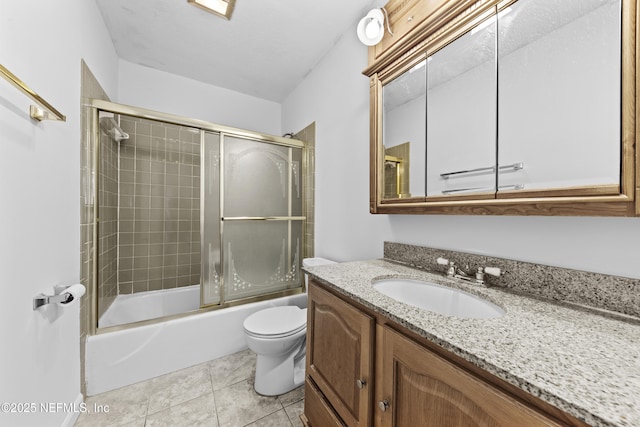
404,111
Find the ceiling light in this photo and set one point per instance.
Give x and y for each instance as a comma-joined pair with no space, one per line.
371,27
222,8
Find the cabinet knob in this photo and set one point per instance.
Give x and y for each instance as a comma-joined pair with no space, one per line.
361,383
383,405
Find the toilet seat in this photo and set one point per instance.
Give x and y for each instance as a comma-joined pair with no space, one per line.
276,322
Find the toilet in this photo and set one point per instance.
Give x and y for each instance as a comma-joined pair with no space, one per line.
278,337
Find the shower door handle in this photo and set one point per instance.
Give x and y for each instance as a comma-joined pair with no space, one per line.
263,218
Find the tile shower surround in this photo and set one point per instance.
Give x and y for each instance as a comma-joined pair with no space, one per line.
159,206
90,89
153,190
601,291
108,241
308,136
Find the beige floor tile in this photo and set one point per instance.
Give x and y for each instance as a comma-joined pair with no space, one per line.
294,411
295,395
198,412
239,404
162,381
108,420
178,387
232,369
116,407
217,393
277,419
140,422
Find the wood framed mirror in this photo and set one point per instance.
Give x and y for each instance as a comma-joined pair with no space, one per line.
516,107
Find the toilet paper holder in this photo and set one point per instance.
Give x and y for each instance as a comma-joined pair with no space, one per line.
60,296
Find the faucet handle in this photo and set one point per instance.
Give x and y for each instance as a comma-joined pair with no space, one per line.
494,271
451,271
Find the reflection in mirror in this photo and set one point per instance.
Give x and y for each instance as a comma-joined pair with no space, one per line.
461,114
559,92
403,113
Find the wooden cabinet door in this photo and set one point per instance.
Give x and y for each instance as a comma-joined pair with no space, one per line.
422,389
340,355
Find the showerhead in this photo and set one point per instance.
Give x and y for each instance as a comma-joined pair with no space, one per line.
111,127
117,134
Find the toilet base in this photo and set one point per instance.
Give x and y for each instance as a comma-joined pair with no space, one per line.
275,376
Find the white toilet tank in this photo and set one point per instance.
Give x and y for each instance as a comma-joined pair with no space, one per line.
312,262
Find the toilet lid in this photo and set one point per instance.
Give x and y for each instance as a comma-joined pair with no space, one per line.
276,321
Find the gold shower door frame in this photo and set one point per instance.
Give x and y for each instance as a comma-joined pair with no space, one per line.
204,127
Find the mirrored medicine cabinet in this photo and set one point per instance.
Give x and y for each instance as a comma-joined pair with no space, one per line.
522,107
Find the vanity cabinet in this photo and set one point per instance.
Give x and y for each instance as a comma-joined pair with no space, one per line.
339,361
364,370
417,384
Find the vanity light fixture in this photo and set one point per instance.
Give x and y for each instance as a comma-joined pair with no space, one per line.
222,8
371,27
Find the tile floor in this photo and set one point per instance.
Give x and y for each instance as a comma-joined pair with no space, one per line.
217,394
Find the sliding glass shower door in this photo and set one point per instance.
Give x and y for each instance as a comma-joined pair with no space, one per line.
188,214
210,219
252,218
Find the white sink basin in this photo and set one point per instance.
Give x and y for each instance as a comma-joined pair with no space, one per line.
437,298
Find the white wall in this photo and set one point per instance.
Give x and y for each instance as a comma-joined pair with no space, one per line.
156,90
336,95
43,43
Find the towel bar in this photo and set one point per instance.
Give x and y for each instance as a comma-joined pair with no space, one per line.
44,110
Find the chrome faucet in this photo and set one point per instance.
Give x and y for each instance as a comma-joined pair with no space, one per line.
478,278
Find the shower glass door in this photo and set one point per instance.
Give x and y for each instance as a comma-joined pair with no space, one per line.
210,221
255,246
186,214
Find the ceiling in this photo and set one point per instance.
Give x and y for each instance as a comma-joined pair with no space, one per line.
265,50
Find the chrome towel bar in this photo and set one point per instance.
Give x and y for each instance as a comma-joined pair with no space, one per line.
515,167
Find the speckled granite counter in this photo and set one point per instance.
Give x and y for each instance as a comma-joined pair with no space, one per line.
583,363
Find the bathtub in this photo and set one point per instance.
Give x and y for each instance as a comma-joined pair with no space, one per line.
150,305
120,358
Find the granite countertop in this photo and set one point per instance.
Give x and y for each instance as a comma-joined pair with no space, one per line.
581,362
